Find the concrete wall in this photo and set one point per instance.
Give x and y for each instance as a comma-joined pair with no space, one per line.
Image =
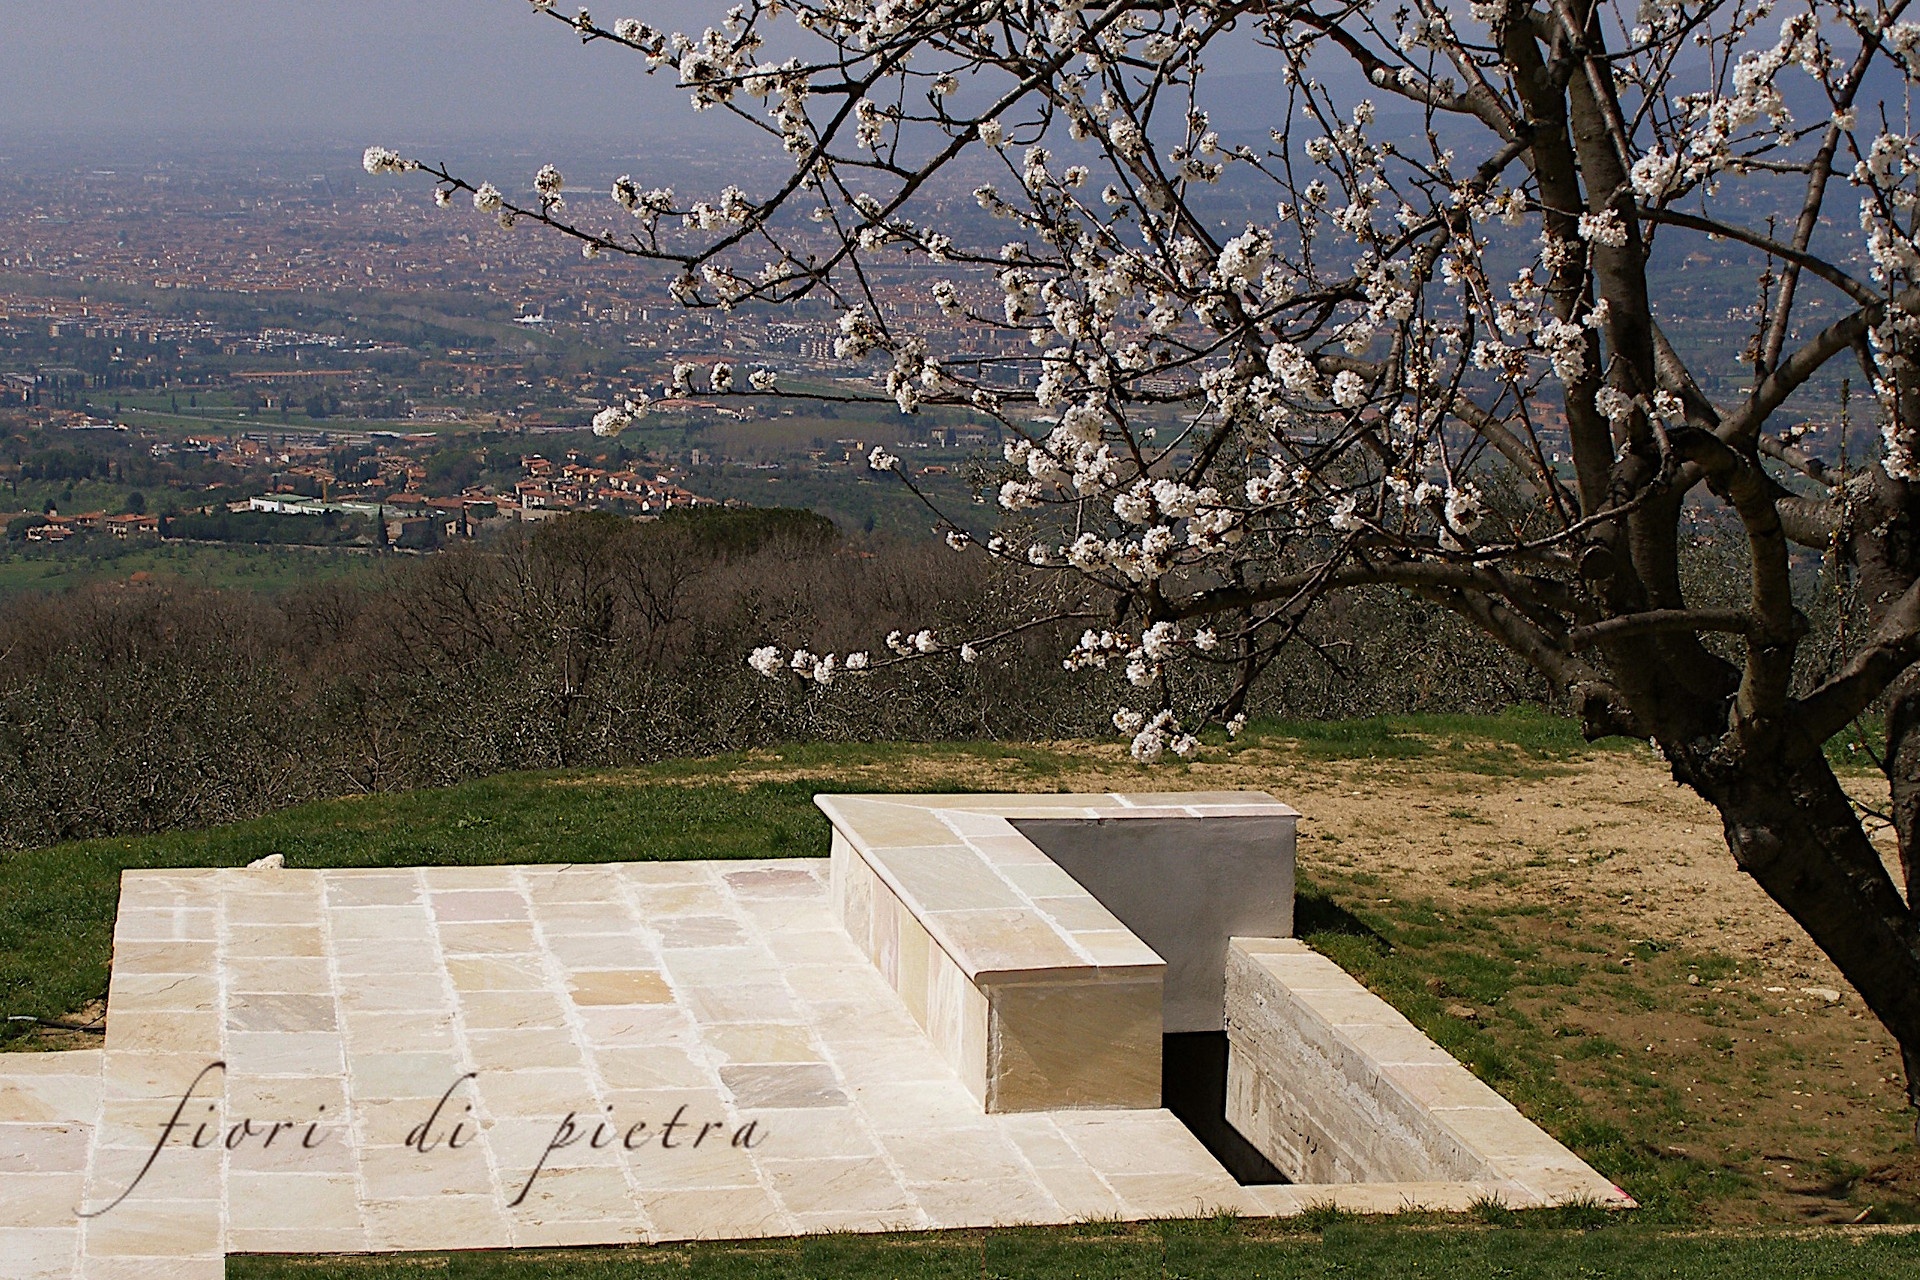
1184,886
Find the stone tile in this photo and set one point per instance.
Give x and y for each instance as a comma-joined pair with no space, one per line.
178,1172
744,1003
39,1254
783,1085
730,1213
1038,1139
1258,800
445,878
275,908
858,1022
292,1201
416,1074
619,986
812,945
43,1148
630,950
136,1123
391,959
1078,913
478,905
1136,1142
40,1199
701,931
721,967
437,1222
1080,1193
598,1195
1115,949
421,993
1009,850
1012,1201
652,1067
509,1010
164,957
776,880
274,940
173,1031
209,1266
695,899
388,1122
382,923
263,1149
501,938
534,1093
980,1155
562,1233
372,888
394,1173
269,1053
1075,1045
890,1062
839,1221
381,1032
154,1229
983,943
131,990
606,916
634,1026
527,1049
836,1186
279,1011
181,924
879,825
128,1074
946,878
497,973
580,883
825,1132
696,1161
827,983
1172,1195
922,1102
70,1093
1448,1086
745,1042
1044,880
971,823
244,1240
308,975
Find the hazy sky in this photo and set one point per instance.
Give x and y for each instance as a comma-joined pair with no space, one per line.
346,72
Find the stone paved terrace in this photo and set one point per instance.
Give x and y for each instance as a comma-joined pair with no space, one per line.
591,1054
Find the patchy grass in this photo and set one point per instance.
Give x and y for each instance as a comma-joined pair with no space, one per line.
1216,1249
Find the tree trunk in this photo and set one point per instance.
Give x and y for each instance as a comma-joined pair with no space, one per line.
1792,828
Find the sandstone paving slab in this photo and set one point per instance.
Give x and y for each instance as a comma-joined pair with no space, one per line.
486,1057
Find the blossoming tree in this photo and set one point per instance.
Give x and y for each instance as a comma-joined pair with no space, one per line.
1214,429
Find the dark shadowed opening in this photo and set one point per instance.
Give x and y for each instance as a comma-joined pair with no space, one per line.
1193,1085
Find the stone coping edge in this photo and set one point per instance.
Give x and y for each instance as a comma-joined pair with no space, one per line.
1010,931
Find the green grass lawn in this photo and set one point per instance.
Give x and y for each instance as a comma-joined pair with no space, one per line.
1515,961
1318,1247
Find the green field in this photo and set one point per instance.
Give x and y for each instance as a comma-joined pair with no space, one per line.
40,567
